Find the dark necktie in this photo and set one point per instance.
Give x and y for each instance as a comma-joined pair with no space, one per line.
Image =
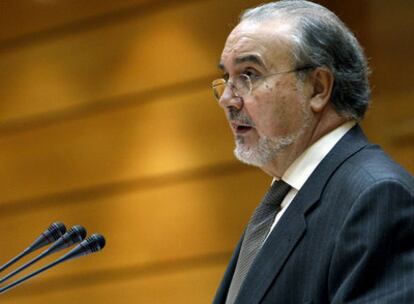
256,232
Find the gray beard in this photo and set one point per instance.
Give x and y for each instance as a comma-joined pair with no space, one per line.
266,149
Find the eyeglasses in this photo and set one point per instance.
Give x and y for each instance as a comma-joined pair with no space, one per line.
242,84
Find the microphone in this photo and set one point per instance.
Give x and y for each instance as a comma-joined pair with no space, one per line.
76,234
51,234
92,244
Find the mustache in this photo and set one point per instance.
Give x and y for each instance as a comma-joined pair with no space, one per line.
237,116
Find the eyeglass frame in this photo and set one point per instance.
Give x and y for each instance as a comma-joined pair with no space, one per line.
249,81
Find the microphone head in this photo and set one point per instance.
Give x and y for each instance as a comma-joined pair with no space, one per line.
94,243
74,235
79,231
51,234
55,230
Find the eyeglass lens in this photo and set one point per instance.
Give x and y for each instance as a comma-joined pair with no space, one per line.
240,86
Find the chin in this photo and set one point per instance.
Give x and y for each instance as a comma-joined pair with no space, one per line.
261,153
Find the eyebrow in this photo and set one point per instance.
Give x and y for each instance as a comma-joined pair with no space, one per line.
243,59
250,58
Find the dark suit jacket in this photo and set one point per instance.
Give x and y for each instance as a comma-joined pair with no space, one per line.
347,237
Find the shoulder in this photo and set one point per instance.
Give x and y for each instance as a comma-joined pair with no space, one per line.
371,167
374,228
369,179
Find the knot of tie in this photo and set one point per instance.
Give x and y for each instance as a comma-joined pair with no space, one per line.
276,193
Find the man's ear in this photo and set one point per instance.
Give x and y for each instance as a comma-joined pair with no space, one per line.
322,80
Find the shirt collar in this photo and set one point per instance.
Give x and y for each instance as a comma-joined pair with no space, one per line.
300,170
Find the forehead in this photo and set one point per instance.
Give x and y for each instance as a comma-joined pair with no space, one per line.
265,44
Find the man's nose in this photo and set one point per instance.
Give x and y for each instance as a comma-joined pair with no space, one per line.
230,100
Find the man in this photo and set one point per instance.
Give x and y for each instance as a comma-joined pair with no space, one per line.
337,225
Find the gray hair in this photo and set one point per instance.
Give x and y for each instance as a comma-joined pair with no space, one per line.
321,39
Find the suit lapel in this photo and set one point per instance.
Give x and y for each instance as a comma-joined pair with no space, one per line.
271,258
292,225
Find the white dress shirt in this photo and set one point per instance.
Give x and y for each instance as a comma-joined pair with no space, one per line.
300,170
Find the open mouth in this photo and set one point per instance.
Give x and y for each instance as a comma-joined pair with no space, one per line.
241,129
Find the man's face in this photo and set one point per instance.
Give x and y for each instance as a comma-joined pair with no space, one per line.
275,115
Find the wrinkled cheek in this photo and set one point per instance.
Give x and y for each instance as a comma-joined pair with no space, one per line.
269,88
277,122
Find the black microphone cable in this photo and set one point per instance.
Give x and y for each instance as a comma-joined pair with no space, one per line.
76,234
51,234
92,244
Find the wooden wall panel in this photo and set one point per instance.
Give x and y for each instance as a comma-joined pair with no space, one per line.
198,220
391,46
187,286
390,121
175,45
157,136
114,127
53,15
162,222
